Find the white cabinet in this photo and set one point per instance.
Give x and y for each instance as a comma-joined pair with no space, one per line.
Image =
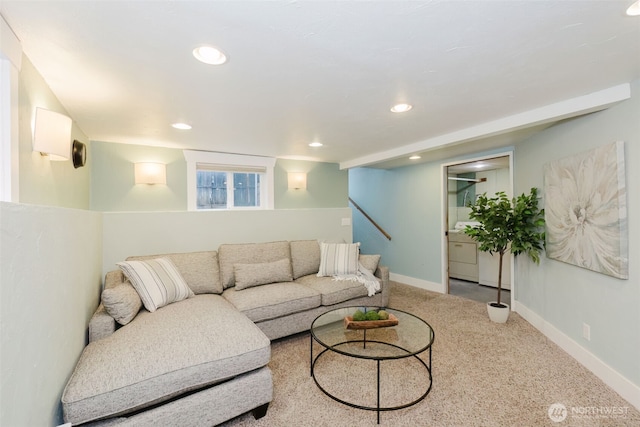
463,257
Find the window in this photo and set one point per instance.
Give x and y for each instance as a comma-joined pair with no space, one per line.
228,181
213,191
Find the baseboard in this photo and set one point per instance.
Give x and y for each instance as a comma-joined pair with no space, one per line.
418,283
608,375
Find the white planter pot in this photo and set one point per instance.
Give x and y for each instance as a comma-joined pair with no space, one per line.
498,314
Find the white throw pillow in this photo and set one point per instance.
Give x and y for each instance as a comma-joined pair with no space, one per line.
157,281
338,258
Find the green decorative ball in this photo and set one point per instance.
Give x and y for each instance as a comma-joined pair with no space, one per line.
372,315
359,316
383,315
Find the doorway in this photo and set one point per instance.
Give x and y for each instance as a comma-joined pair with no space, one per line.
471,273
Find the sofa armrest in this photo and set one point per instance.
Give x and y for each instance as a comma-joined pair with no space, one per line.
101,324
382,272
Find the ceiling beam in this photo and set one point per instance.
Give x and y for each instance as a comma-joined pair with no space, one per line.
573,107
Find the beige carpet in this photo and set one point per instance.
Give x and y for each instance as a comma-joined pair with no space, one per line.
484,374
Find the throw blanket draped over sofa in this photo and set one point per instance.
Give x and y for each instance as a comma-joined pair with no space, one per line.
184,339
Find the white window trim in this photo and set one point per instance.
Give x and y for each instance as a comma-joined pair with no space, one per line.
10,63
194,157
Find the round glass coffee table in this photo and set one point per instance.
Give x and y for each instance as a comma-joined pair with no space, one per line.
409,338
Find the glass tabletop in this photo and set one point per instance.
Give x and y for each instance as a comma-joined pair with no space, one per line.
410,336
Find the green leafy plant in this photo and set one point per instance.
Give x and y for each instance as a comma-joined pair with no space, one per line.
515,225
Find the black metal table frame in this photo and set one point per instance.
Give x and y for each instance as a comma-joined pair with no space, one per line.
364,341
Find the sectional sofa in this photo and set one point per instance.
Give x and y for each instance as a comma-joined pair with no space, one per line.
184,339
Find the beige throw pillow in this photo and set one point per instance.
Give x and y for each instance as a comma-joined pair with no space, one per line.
122,302
199,269
248,253
370,262
250,275
305,257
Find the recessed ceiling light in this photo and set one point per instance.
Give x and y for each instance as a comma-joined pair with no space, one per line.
210,55
634,9
181,126
315,144
415,157
401,108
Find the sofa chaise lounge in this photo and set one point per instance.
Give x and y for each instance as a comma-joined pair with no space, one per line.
199,357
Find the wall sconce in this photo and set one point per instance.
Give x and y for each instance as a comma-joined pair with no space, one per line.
52,134
297,180
151,173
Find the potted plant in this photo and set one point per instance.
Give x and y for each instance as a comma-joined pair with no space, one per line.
515,225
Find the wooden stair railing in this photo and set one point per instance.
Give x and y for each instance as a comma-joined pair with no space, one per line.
375,224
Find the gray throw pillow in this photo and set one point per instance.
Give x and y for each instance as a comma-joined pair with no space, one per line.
122,302
250,275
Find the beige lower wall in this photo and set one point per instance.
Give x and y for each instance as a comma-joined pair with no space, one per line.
50,277
52,263
148,233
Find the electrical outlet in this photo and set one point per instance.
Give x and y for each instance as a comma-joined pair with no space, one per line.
586,332
346,221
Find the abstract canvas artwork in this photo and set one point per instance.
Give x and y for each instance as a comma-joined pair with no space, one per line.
586,211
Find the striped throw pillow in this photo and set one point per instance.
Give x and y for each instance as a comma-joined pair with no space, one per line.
338,258
157,281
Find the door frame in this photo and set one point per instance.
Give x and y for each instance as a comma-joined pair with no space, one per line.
445,215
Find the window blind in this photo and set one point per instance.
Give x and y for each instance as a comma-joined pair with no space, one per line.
212,167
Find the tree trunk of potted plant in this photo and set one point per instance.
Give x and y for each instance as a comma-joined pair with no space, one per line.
499,312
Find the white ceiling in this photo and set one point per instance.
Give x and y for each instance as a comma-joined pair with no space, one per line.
327,71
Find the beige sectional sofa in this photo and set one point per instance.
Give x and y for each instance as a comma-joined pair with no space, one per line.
202,360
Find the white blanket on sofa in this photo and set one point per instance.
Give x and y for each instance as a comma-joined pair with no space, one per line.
363,276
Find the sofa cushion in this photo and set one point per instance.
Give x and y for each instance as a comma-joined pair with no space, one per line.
305,257
122,302
161,355
157,281
338,258
273,300
370,262
199,269
333,291
247,253
250,275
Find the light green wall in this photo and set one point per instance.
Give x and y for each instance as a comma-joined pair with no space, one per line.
113,188
42,181
50,269
407,203
565,295
326,185
112,179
